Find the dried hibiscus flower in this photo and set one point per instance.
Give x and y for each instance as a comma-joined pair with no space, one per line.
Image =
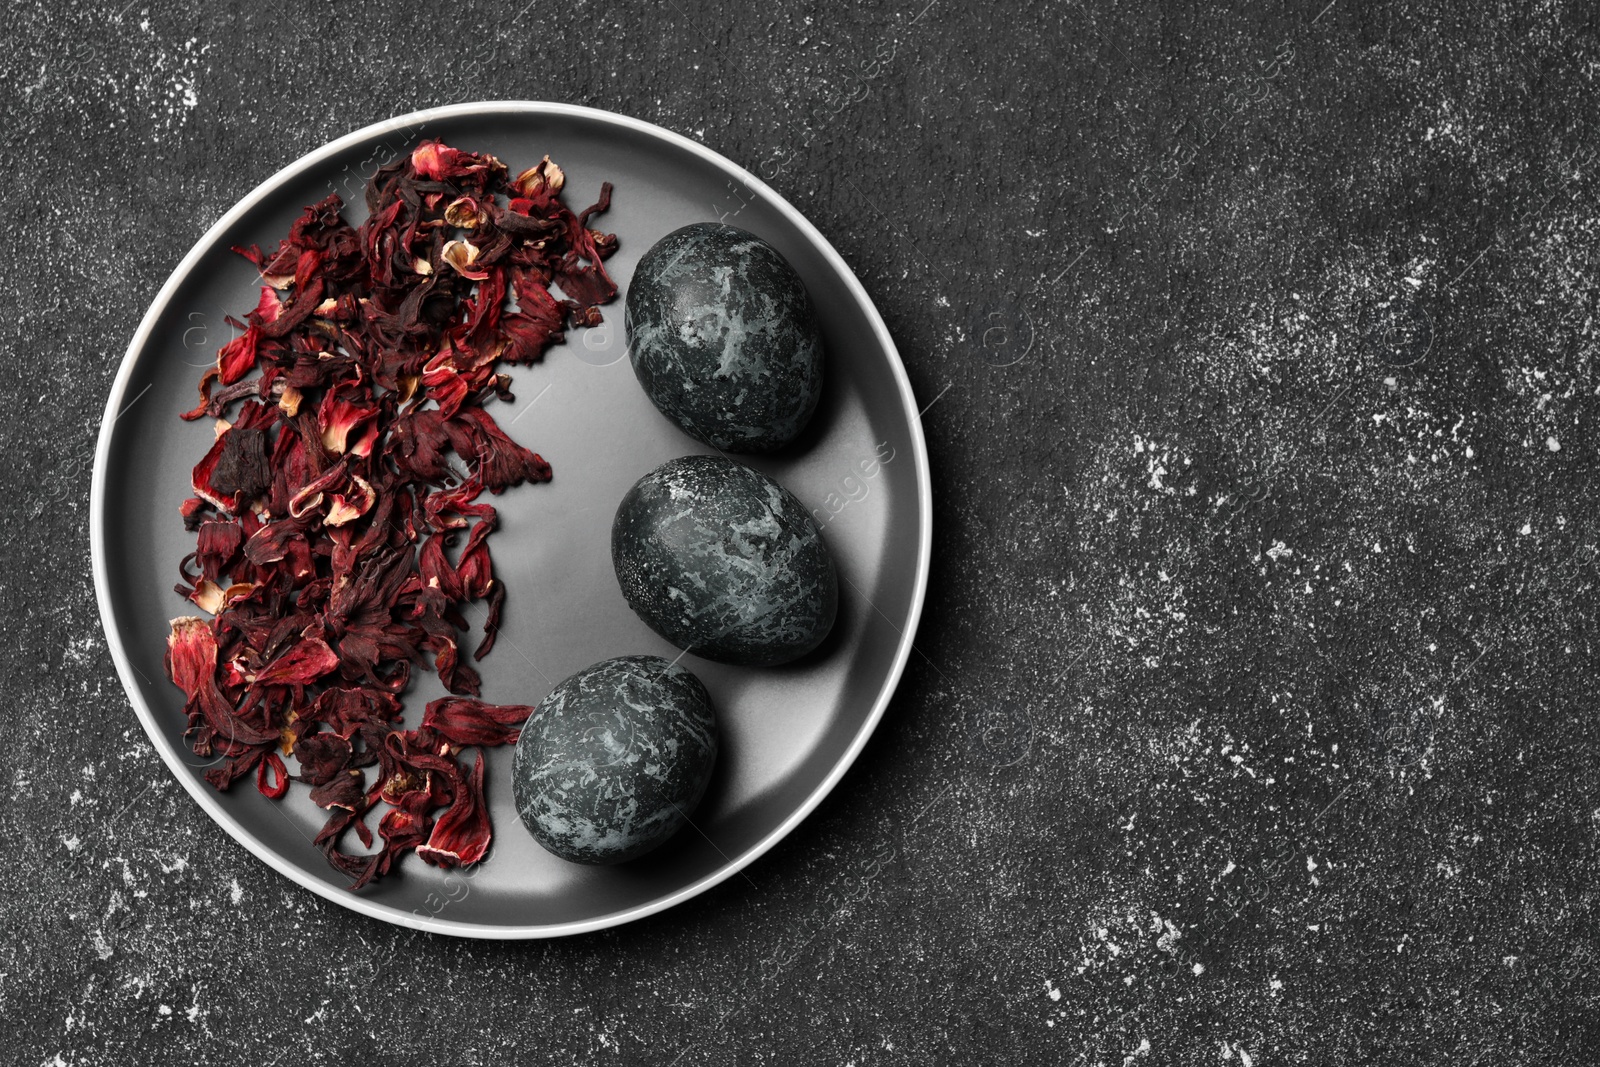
352,446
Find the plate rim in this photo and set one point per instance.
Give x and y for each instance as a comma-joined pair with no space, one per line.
209,801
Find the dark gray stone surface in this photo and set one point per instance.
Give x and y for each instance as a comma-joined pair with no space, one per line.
1251,720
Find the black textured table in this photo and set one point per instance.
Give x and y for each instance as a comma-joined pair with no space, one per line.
1250,720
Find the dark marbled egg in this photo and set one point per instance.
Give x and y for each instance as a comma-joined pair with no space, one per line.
723,561
723,338
615,759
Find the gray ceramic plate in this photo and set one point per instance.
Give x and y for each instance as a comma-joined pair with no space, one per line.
788,733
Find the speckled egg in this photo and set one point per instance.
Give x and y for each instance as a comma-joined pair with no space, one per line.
615,759
723,338
723,561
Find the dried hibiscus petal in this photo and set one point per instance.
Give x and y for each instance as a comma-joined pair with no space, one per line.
242,470
191,655
463,721
351,504
217,547
338,420
501,461
462,834
191,662
272,778
345,789
322,756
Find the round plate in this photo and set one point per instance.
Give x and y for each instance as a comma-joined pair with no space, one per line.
788,733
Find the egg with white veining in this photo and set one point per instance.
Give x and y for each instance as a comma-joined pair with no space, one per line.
723,338
724,562
613,762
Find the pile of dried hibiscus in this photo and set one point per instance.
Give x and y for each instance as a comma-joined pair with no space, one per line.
329,507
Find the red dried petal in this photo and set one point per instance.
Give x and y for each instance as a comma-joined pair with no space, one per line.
451,508
218,547
199,410
272,542
347,709
191,657
238,357
475,570
501,461
457,677
535,326
268,308
242,470
338,418
350,505
435,160
463,834
406,826
309,496
418,445
464,721
224,774
200,480
491,622
322,756
345,789
191,663
302,664
272,778
447,388
436,571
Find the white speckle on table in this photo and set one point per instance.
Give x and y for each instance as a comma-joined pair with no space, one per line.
235,892
102,948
